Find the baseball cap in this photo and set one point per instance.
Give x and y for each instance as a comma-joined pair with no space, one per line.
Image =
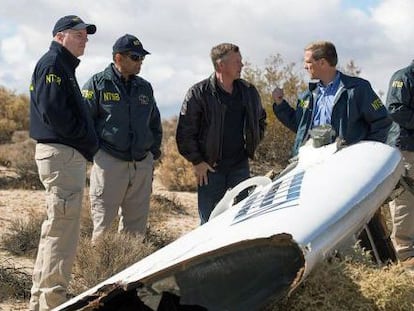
73,22
129,43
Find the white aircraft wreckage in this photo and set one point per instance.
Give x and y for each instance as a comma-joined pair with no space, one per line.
265,245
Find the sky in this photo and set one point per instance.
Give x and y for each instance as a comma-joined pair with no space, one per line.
377,35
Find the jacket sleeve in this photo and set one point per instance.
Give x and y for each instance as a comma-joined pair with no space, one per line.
375,114
262,116
286,114
399,100
188,128
56,104
91,97
156,129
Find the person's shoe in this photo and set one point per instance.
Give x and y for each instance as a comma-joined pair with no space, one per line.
408,265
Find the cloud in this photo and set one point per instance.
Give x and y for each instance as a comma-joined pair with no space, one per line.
180,33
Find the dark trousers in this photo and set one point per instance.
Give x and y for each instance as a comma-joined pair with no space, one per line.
218,183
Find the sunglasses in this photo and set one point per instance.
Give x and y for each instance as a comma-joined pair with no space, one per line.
136,58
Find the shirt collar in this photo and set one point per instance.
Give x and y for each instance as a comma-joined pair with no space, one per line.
331,85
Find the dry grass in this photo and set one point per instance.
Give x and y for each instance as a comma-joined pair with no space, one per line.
19,159
23,236
351,284
162,209
177,173
15,282
354,284
111,253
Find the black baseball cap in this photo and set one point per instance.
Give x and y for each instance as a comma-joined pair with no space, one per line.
73,22
129,43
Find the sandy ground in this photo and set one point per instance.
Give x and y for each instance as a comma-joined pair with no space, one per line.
21,204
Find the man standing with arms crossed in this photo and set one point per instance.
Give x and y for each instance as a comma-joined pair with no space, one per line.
61,125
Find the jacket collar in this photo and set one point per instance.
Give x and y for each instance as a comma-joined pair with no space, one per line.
111,73
213,82
67,56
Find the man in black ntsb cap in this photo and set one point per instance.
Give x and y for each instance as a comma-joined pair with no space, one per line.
73,22
131,44
128,124
61,124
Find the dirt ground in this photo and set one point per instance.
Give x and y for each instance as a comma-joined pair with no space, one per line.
21,204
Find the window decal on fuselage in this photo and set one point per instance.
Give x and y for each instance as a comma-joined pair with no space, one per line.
283,193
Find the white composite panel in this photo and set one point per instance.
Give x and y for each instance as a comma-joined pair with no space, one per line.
326,198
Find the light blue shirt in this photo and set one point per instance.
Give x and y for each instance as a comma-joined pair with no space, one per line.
325,102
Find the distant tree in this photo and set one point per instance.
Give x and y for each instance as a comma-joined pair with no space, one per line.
351,69
276,147
14,113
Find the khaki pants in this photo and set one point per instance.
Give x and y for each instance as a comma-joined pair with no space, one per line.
62,170
120,185
402,213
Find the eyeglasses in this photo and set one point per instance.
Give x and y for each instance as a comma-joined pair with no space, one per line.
136,58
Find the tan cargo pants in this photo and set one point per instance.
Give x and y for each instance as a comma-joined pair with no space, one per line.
62,170
123,186
402,213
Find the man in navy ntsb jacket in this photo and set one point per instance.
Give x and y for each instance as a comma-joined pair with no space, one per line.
400,103
347,103
128,124
61,125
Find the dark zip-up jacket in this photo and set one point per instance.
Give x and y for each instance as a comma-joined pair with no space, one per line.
358,113
400,104
58,113
127,122
200,125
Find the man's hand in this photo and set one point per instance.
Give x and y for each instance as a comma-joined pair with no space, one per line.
277,95
200,171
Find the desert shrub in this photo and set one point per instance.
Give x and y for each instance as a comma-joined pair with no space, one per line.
169,127
351,284
177,172
15,282
7,127
276,146
23,236
162,209
20,136
110,253
86,224
14,113
19,157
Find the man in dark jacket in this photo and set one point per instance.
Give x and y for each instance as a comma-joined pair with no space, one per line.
128,125
347,103
61,125
400,103
221,123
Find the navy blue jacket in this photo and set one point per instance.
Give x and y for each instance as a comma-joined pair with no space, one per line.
58,113
200,125
127,122
400,103
358,113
